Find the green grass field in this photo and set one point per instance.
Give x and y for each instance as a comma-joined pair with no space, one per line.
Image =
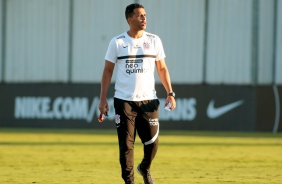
91,157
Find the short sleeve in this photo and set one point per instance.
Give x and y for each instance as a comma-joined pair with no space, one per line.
111,54
160,54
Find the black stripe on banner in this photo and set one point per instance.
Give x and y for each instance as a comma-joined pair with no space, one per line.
137,56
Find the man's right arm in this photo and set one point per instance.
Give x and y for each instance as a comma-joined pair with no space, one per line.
105,83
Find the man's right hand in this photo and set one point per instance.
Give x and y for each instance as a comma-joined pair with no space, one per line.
103,106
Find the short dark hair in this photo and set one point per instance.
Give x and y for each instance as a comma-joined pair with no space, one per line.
130,9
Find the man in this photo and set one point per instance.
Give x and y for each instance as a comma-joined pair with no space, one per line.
136,54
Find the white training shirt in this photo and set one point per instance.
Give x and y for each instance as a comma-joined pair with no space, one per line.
135,63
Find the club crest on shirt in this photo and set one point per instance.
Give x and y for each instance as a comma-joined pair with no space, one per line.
147,45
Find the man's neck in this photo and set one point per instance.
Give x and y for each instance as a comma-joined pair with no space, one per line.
135,34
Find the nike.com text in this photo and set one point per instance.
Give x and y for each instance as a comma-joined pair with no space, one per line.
81,108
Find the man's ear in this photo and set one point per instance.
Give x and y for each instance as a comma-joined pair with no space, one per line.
129,20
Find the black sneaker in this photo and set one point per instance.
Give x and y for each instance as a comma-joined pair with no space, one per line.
147,177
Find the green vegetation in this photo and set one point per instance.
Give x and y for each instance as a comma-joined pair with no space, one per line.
47,156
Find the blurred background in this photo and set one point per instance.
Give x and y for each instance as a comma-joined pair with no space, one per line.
222,55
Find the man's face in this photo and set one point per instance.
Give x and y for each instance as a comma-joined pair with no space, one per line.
138,19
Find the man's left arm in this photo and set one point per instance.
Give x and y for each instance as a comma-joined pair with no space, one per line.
165,79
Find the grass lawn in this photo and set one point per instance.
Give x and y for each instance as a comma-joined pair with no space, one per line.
46,156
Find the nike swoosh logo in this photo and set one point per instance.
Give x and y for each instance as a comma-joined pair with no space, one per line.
124,46
214,112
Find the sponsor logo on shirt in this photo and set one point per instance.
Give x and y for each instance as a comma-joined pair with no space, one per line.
149,35
120,37
132,66
134,61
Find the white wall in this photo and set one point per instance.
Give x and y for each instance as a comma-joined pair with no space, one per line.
1,39
265,49
95,23
279,44
48,42
37,40
229,49
180,25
